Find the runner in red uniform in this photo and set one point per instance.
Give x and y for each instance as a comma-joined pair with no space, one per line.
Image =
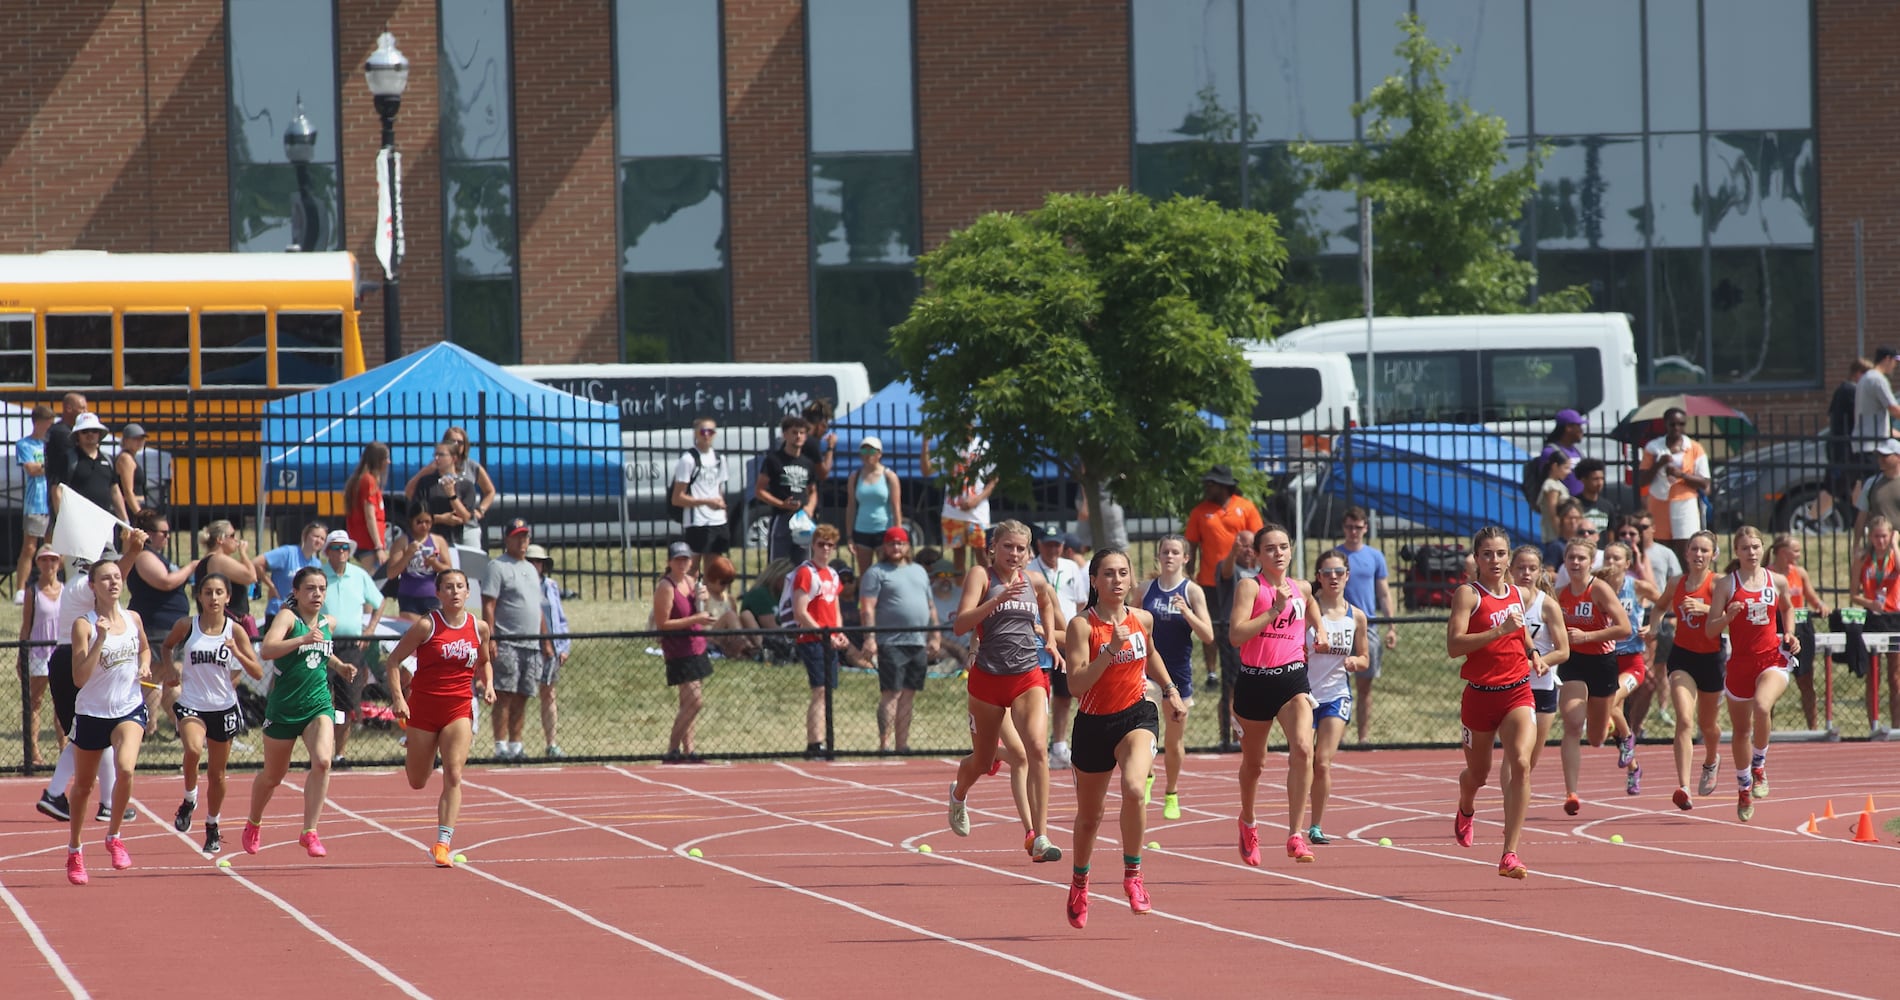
1758,616
450,647
1486,628
1593,620
1695,666
1111,657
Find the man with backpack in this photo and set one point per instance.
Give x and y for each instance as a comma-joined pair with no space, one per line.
699,495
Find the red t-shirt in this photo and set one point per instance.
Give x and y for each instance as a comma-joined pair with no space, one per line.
368,537
1213,527
1502,660
821,583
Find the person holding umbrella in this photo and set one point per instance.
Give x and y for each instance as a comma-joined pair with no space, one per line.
1674,475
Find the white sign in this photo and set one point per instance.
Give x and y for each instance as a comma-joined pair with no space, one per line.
389,243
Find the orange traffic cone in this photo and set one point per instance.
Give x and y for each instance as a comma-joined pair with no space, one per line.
1812,828
1864,830
1870,804
1829,813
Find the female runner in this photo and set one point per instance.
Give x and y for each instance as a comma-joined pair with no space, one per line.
213,648
1593,621
1785,558
1757,614
1115,724
1005,681
1178,608
1486,628
110,659
1877,574
1333,653
438,714
1631,671
1550,640
298,644
1271,615
1695,666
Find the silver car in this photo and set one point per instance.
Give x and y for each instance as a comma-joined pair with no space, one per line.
1778,487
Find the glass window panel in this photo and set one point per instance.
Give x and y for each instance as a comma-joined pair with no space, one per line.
1187,71
675,317
264,199
864,209
16,369
482,316
79,370
308,367
1675,182
1614,279
1488,69
856,309
1418,387
231,348
277,52
1198,169
71,332
480,202
1681,350
476,119
667,56
858,61
1299,69
673,214
223,331
16,350
1762,188
1312,220
1379,35
1675,79
1758,64
1520,385
1763,322
1590,192
309,331
157,348
1585,68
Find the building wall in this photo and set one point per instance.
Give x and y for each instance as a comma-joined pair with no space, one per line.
768,204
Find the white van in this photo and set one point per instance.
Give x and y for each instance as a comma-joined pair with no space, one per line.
1304,400
1511,373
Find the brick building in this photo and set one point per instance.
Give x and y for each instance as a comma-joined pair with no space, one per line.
752,179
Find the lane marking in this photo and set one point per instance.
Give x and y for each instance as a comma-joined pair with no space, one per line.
45,947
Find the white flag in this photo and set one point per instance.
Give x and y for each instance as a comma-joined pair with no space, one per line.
82,531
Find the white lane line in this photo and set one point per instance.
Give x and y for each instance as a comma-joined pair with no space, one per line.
46,950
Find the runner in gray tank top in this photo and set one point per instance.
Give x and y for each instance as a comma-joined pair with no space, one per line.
1006,643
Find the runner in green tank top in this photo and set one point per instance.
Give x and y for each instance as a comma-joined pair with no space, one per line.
298,644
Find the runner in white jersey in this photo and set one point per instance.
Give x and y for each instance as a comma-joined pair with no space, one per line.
110,659
214,648
1550,639
1335,650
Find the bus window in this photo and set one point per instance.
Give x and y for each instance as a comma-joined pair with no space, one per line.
78,351
231,349
1421,386
16,350
1285,393
1531,384
157,349
309,348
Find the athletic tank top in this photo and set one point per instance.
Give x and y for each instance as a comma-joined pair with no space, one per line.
418,576
1173,638
45,622
874,503
1880,581
1583,613
113,689
445,665
300,682
1007,638
1538,620
679,644
1124,682
1633,608
1798,586
1326,656
1283,641
1754,635
206,676
1502,660
161,609
1692,626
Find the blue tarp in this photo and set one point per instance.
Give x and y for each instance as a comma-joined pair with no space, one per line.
532,439
1447,478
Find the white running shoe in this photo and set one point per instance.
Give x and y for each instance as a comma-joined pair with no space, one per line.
959,814
1059,756
1706,785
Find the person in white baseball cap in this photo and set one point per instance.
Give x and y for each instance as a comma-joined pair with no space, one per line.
874,502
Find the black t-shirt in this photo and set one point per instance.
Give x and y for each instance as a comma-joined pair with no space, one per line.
1840,422
59,452
93,478
813,452
1600,512
789,477
438,496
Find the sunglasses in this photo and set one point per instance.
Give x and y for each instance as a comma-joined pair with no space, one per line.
707,431
1333,571
339,548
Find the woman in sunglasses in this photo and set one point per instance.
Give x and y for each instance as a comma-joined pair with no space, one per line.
1335,651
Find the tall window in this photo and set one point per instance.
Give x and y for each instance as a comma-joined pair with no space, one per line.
865,217
278,54
675,288
478,179
1679,188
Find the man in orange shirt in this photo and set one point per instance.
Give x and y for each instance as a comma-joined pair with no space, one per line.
1211,527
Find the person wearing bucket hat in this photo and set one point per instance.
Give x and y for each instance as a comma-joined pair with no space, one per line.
555,613
350,596
874,502
1212,525
90,473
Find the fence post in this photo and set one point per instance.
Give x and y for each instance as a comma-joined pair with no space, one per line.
28,736
831,730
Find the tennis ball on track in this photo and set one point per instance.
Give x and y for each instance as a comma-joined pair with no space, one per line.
1385,841
695,853
1154,845
224,862
461,859
923,848
1616,838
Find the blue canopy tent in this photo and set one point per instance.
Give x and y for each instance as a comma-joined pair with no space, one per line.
534,440
1449,478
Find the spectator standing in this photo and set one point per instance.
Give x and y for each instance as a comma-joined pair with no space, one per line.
815,588
59,438
475,474
1071,587
699,490
421,554
1572,525
1675,471
39,623
448,496
1842,459
89,472
874,503
227,555
1114,519
1241,563
29,453
1552,494
1211,528
966,504
365,519
129,467
554,612
895,593
278,567
1565,436
1879,495
682,624
945,595
1874,405
352,598
821,444
787,483
1367,589
511,606
1597,508
157,587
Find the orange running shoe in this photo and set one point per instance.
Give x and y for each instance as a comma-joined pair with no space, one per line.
441,856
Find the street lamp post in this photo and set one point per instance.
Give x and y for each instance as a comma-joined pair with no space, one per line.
387,73
300,143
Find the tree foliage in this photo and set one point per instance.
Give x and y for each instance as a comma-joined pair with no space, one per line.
1445,213
1092,333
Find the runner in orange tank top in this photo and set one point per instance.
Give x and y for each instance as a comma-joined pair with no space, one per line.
1785,559
1695,666
1111,659
1877,590
1757,614
450,647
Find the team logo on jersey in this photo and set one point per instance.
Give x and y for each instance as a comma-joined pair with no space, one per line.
207,657
1502,615
460,649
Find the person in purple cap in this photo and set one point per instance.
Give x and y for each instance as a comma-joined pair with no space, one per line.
1564,437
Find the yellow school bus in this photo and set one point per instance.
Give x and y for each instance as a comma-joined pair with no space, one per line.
190,345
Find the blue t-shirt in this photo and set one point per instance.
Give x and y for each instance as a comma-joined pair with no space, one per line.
32,449
284,561
1362,586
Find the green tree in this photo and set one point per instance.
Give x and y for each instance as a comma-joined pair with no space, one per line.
1446,215
1092,333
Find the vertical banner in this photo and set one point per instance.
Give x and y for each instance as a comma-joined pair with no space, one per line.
389,242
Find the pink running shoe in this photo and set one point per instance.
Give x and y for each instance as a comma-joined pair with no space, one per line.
1461,829
121,858
1079,902
1510,867
76,868
1250,844
311,844
1297,850
252,838
1137,894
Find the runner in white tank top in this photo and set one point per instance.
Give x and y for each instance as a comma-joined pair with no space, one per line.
109,658
214,648
1550,639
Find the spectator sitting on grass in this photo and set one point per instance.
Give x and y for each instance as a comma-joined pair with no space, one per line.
946,593
758,606
718,577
